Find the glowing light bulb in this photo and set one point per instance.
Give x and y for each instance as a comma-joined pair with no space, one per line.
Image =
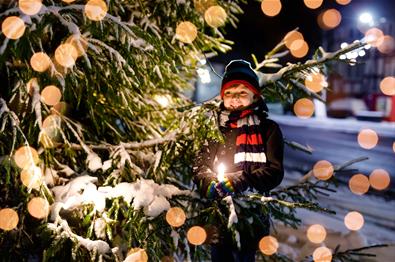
8,219
354,221
215,16
221,172
40,62
13,27
196,235
66,55
323,170
51,95
366,18
316,233
271,7
368,138
304,108
379,179
175,216
268,245
186,32
329,19
359,184
38,207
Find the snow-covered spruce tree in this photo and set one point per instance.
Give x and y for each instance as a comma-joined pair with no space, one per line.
97,136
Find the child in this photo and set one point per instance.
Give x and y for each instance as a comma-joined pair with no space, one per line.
252,154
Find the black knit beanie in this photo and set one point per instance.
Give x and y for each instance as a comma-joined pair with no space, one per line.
240,72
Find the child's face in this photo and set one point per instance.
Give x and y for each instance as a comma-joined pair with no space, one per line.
238,97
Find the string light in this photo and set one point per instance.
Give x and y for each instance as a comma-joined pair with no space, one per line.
354,221
215,16
268,245
316,233
40,62
38,207
359,184
175,216
30,7
367,138
66,55
51,95
379,179
271,7
8,219
196,235
13,27
96,10
186,32
322,254
304,108
323,170
26,156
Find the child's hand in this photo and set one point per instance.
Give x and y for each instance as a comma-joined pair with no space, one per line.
224,188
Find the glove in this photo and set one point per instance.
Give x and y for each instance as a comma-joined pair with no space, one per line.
233,182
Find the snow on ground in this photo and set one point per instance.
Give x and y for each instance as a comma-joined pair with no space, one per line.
378,228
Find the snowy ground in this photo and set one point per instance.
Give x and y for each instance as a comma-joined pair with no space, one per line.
379,226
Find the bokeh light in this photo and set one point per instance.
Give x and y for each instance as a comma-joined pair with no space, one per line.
299,48
359,184
313,4
316,233
202,5
68,1
215,16
40,61
387,86
323,170
31,177
315,82
60,108
13,27
139,255
175,216
304,108
38,207
387,44
271,7
322,254
66,55
367,138
186,32
79,43
343,2
354,221
292,36
8,219
374,36
163,100
268,245
26,156
379,179
51,95
30,7
329,19
196,235
96,10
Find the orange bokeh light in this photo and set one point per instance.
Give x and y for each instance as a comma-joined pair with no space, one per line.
322,254
268,245
313,4
202,5
13,27
31,177
215,16
387,44
343,2
292,36
379,179
354,221
26,156
68,1
66,55
316,233
329,19
374,36
8,219
79,43
367,138
186,32
323,170
196,235
359,184
387,86
96,10
51,95
175,216
299,48
60,108
304,108
30,7
38,207
271,7
40,61
315,82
